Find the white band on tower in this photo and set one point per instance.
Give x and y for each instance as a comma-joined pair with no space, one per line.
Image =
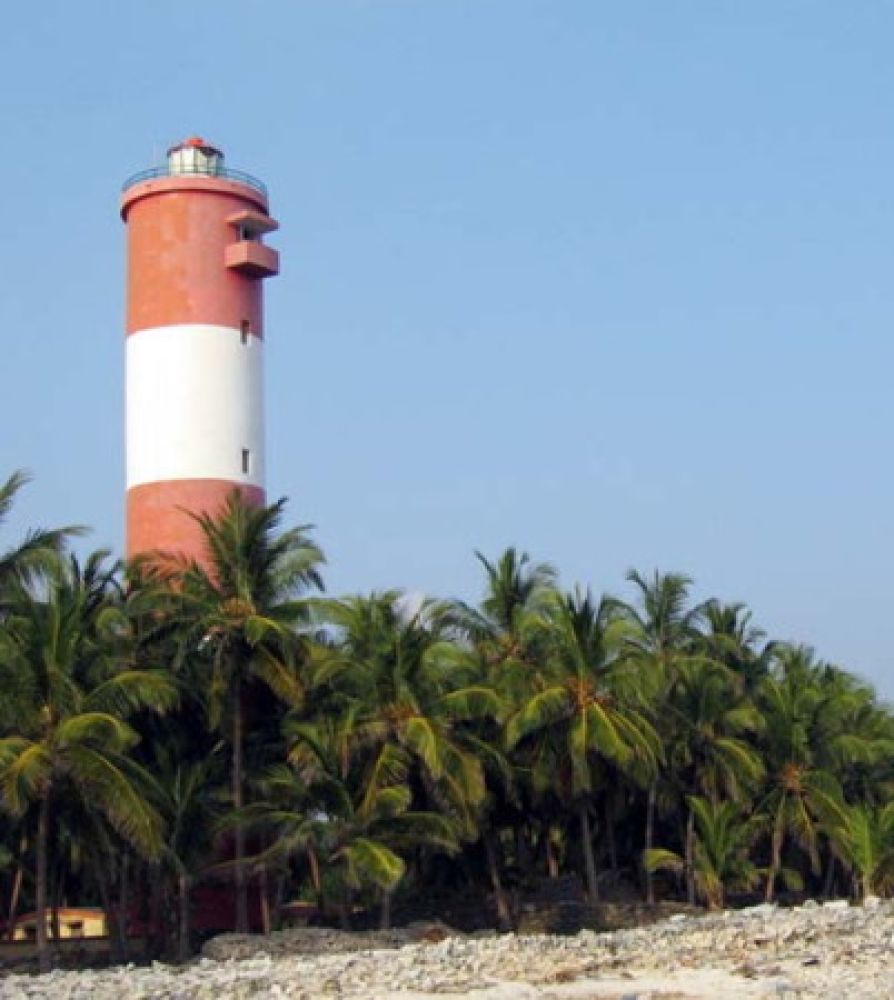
194,405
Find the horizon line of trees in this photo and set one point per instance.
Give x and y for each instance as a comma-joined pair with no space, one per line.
168,724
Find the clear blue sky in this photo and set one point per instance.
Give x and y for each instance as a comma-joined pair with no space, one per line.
611,282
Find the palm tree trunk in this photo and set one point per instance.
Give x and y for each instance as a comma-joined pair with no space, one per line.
240,885
866,885
587,846
552,859
690,858
56,893
347,903
385,911
14,902
314,865
279,889
123,906
264,893
775,862
829,882
649,838
183,917
43,833
55,902
16,890
504,914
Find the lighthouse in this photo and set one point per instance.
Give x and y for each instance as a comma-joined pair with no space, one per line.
196,260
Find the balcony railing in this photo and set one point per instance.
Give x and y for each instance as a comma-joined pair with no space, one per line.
185,171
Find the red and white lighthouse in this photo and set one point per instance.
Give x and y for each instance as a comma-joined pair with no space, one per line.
194,385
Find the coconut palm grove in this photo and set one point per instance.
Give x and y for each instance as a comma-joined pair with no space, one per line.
226,738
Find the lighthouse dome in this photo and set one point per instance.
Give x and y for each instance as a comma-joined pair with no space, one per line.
195,156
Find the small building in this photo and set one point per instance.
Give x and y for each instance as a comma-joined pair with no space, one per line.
74,922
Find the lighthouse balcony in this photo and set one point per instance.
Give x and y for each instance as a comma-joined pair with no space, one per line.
196,170
253,259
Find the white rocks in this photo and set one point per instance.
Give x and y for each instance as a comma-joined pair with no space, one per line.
817,952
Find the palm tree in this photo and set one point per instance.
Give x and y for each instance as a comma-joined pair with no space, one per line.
853,740
731,639
723,839
505,636
239,610
864,838
851,736
191,806
64,667
801,791
506,627
34,553
401,680
664,635
817,730
869,776
414,689
356,824
585,706
710,723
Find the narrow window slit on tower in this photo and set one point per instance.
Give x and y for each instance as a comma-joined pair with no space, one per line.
246,461
244,332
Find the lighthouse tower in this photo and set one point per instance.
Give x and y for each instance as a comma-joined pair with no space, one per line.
194,385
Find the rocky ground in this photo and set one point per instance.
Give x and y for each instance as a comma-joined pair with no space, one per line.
812,952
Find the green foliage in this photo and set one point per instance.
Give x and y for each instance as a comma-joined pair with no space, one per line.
723,840
27,560
219,719
64,658
863,836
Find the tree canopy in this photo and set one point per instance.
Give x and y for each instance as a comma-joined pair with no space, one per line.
222,726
